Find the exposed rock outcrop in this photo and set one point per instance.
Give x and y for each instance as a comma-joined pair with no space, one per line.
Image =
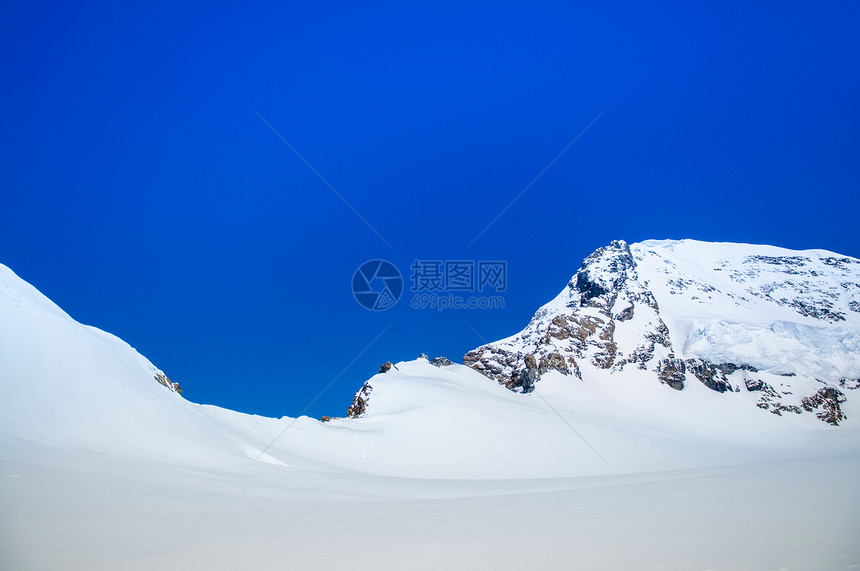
712,376
770,398
826,402
359,401
850,384
672,372
162,378
582,324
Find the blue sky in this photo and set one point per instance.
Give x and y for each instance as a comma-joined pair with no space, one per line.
142,192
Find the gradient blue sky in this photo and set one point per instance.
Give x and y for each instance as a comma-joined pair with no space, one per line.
141,192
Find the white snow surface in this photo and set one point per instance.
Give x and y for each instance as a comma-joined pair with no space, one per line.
726,302
101,467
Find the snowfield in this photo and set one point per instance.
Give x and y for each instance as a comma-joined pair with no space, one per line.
745,303
102,467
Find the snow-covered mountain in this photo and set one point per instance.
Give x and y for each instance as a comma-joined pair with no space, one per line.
783,325
104,465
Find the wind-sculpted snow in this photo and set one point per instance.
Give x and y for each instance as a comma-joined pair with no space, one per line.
721,314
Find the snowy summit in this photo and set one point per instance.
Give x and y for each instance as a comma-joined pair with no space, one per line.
738,318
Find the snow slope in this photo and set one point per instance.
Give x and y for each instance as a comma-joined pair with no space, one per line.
102,467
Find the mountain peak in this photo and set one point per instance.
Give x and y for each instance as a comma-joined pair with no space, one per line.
733,317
